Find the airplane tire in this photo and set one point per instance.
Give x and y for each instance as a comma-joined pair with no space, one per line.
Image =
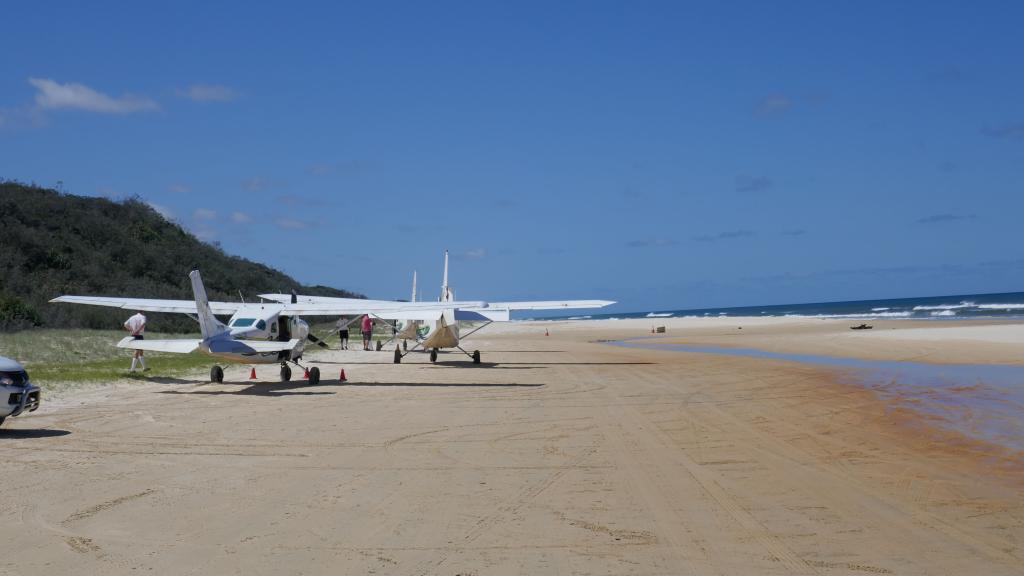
216,374
286,373
433,354
380,345
476,356
314,376
405,345
398,355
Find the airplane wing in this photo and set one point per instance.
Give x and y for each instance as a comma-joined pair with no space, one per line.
175,346
149,304
424,315
402,309
547,304
330,306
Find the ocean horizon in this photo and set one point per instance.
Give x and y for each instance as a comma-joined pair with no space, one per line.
1003,305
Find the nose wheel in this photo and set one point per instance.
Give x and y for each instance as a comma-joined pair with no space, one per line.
433,354
286,373
216,374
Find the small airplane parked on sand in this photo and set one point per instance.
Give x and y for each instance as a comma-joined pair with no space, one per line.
435,329
257,333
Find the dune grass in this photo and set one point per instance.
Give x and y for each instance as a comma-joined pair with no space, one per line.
54,358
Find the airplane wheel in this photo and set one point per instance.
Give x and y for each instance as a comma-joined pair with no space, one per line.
314,376
398,355
216,374
380,346
476,356
433,355
405,345
286,373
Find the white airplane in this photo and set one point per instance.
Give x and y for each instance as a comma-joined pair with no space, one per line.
437,329
257,333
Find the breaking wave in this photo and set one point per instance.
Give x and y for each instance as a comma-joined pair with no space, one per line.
947,306
860,315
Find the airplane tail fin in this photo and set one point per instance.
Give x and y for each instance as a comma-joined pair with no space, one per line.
446,293
208,323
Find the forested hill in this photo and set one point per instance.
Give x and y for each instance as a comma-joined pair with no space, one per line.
53,244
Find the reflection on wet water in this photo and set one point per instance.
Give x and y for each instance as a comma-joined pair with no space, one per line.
982,401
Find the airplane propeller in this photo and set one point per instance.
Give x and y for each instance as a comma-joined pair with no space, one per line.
310,337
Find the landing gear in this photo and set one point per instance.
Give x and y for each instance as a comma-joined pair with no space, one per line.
476,356
398,355
380,345
405,345
314,376
433,354
286,373
216,374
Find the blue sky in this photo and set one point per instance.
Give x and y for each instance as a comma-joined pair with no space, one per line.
666,155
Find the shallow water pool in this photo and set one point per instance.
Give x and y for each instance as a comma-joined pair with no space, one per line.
982,401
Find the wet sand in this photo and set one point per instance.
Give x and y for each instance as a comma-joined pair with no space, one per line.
558,455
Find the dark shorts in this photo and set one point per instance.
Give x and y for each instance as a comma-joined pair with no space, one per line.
343,334
138,337
366,334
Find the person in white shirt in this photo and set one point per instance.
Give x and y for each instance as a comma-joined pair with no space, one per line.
135,326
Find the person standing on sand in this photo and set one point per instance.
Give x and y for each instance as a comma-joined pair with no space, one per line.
135,326
367,331
343,332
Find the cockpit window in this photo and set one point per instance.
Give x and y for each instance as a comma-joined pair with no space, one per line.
239,322
261,325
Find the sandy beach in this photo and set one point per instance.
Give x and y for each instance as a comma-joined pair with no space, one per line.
560,454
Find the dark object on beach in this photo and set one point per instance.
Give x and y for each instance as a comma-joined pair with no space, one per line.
862,327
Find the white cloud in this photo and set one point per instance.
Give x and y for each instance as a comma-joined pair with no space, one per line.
52,95
255,184
204,214
209,93
773,104
291,224
240,218
179,189
476,254
164,211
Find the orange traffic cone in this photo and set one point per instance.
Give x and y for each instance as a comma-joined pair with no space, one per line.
306,375
341,377
252,375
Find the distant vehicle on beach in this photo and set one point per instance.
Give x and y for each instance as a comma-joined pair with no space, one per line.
18,391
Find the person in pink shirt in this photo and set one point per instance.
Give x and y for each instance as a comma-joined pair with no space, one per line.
367,331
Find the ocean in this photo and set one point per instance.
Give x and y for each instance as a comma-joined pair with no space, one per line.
963,306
